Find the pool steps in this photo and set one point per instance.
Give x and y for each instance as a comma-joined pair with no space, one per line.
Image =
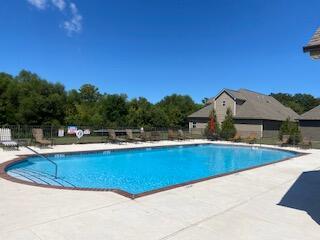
39,177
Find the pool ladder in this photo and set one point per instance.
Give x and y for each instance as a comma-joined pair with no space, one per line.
46,158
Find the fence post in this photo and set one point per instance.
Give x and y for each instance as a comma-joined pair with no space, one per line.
101,129
19,134
51,132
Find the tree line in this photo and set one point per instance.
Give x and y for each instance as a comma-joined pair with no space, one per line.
300,103
26,99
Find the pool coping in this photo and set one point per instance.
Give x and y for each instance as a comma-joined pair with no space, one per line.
4,166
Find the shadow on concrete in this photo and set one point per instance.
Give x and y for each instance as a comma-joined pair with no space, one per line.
304,195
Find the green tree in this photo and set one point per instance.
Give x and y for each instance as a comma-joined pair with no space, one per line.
228,129
139,113
307,101
86,114
177,108
38,101
292,129
114,109
82,107
71,112
159,118
300,103
8,99
89,93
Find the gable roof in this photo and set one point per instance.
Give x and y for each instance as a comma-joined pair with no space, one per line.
313,114
232,93
314,43
254,106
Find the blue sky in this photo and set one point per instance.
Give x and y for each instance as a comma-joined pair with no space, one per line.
154,48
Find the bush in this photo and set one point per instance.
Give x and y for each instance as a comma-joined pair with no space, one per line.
292,129
228,130
208,132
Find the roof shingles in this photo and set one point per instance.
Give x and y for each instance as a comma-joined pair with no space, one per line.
255,106
314,43
313,114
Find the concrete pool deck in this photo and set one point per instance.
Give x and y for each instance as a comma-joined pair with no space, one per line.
278,201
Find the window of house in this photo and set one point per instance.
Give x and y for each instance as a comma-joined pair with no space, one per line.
194,124
224,103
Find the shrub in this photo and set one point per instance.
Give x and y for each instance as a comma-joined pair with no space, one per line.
210,134
292,129
228,129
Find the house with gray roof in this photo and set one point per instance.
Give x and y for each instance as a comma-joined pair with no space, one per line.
252,112
310,124
313,46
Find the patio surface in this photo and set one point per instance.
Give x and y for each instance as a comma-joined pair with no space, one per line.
278,201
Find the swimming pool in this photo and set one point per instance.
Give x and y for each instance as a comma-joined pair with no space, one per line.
145,170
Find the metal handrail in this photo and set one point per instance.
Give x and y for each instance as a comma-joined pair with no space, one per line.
46,158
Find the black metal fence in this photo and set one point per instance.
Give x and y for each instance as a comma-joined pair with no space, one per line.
99,134
91,134
267,138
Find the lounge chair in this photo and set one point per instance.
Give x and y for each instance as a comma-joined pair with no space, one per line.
251,138
306,143
39,137
130,136
284,141
113,137
171,135
155,136
145,136
182,135
6,139
236,138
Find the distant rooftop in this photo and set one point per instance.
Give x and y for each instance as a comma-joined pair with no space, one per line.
313,114
313,47
254,106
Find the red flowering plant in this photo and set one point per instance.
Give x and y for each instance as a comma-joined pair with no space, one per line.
213,128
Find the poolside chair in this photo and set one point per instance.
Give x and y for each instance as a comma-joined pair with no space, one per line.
251,138
6,139
145,136
171,135
236,138
284,141
39,137
113,137
183,136
306,143
130,136
155,136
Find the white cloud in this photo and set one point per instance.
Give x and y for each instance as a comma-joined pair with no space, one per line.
74,25
61,4
40,4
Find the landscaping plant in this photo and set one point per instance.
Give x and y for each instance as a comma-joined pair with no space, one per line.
228,130
292,129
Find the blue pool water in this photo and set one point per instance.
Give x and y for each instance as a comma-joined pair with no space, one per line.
138,171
